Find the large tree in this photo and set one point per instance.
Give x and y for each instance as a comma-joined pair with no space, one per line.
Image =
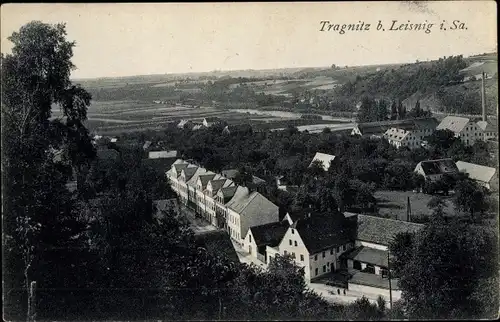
37,207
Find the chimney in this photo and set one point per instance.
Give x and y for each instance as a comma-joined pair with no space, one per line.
483,97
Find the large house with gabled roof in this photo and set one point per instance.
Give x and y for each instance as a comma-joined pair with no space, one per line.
219,200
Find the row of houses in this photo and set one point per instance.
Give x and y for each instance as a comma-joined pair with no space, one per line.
219,200
411,133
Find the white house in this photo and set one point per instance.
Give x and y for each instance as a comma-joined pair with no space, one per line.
325,159
403,138
210,121
433,170
259,237
464,128
483,175
420,127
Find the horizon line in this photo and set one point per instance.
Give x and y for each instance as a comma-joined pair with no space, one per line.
266,69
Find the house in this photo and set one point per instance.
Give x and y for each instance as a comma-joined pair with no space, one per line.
403,138
284,184
489,130
316,242
433,170
210,121
256,184
219,200
113,140
247,209
325,159
464,128
421,127
197,126
258,237
185,124
484,176
162,154
368,262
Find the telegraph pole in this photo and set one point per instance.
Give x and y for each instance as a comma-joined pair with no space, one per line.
389,276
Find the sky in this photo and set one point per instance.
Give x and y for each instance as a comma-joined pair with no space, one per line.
139,39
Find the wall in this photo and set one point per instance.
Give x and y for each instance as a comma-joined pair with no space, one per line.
396,294
300,249
471,133
371,245
234,223
247,243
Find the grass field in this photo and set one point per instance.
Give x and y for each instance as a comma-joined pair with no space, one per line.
393,204
114,117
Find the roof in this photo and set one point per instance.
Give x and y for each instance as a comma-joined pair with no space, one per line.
439,166
368,255
107,154
227,192
323,231
189,171
217,184
381,230
487,126
249,204
205,178
396,134
269,234
230,174
476,172
409,124
298,214
162,154
163,164
325,159
217,243
192,181
453,123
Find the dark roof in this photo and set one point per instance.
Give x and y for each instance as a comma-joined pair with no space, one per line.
161,164
367,255
269,234
205,178
190,171
440,166
107,154
217,243
230,173
323,231
298,214
381,230
410,124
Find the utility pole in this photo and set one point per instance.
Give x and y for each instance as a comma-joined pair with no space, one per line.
389,276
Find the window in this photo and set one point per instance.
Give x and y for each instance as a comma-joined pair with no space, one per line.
343,247
285,252
293,255
316,271
290,242
250,237
293,232
315,257
323,254
324,268
301,257
331,251
338,249
295,242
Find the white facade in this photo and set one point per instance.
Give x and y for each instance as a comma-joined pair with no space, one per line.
412,139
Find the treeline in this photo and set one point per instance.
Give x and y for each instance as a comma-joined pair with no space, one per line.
405,81
374,110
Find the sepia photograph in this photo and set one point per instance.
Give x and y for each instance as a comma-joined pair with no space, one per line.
250,161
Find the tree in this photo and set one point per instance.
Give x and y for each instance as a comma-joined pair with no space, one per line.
381,110
394,110
37,212
441,268
469,197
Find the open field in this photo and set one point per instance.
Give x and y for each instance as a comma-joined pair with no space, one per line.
114,117
393,204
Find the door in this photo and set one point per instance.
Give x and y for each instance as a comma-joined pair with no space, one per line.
249,249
